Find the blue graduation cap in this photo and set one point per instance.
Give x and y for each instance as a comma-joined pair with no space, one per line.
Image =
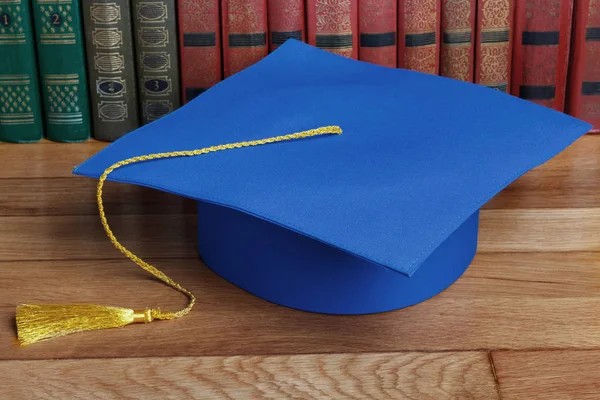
377,218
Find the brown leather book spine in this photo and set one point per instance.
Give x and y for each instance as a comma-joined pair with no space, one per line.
332,25
541,52
157,61
113,88
583,98
286,21
199,46
378,30
458,31
494,43
419,35
244,34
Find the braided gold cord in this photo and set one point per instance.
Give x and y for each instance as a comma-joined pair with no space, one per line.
157,314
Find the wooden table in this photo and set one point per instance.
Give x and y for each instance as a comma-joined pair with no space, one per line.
522,323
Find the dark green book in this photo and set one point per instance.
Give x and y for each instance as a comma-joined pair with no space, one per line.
62,70
111,68
157,60
20,104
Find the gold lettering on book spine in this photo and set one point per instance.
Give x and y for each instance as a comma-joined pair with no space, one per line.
334,18
456,56
421,17
494,67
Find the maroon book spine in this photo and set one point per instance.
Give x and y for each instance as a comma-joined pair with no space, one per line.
332,25
286,21
584,77
458,28
419,35
377,27
199,46
244,29
541,53
494,44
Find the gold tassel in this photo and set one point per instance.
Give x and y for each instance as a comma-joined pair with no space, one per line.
40,322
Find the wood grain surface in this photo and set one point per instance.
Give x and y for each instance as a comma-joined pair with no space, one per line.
435,376
541,375
523,322
535,300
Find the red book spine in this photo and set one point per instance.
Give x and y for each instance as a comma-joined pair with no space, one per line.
286,21
494,44
584,81
199,45
458,27
244,34
419,35
333,25
378,30
541,53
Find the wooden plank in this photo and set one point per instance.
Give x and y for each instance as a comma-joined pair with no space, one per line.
570,180
504,301
82,236
540,230
77,196
45,159
323,376
541,375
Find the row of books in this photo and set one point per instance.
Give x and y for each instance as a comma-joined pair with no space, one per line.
75,69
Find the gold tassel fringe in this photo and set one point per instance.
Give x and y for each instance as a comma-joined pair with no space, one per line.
45,321
40,322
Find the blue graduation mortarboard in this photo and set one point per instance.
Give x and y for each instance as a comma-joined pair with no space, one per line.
381,217
378,218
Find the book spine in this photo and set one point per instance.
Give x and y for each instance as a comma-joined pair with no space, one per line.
541,53
244,34
378,30
64,84
286,21
157,61
458,28
333,25
20,103
111,68
419,35
199,46
584,81
494,44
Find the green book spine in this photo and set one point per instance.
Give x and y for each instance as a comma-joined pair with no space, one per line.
157,60
20,104
62,70
111,67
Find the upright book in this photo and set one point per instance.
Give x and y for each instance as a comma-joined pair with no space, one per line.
62,69
286,21
378,29
157,62
20,103
244,34
199,46
458,31
333,25
584,77
419,35
541,53
111,68
493,43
